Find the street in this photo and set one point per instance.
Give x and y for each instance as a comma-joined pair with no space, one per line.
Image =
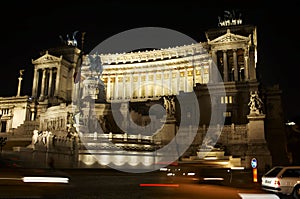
113,184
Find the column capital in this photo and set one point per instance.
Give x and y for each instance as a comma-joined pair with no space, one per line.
246,51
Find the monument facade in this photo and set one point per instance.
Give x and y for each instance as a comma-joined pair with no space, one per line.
87,85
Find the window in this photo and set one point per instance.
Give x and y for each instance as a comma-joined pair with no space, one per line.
273,172
291,173
227,114
226,100
228,119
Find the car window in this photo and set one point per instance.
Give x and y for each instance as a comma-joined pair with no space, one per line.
273,172
291,173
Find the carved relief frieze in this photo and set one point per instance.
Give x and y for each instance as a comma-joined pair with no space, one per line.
47,58
230,38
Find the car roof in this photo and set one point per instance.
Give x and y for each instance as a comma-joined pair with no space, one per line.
292,166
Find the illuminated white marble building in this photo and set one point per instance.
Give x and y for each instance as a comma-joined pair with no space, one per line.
228,58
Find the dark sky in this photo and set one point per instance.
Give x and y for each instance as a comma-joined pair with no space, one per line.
27,27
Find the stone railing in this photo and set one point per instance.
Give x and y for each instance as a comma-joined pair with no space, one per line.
230,134
153,55
63,144
118,137
234,134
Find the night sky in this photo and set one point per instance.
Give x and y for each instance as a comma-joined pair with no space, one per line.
27,27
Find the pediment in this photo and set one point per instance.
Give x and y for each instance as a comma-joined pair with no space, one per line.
229,38
47,58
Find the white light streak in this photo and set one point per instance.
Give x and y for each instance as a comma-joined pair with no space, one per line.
46,179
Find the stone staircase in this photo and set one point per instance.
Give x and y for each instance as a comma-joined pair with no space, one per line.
25,129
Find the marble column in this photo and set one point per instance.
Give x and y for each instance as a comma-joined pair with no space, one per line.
139,86
216,76
57,86
43,83
225,65
131,86
35,82
194,73
108,88
162,84
154,85
252,62
50,82
246,64
185,80
146,85
214,57
178,80
236,72
170,90
19,86
116,94
124,87
211,73
203,74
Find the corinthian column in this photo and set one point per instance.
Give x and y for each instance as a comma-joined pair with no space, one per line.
246,64
211,73
50,82
124,87
131,86
57,87
147,85
116,87
185,80
236,72
155,85
19,86
225,65
43,83
35,82
177,81
139,86
108,88
170,90
162,83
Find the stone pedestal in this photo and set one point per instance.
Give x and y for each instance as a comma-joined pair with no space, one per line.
167,132
256,128
257,146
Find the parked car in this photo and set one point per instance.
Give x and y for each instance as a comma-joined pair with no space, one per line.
282,180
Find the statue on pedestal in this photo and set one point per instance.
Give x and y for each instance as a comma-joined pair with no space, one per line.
34,138
169,104
255,103
71,129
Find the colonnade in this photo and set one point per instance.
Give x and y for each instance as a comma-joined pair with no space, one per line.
153,80
236,67
129,84
48,85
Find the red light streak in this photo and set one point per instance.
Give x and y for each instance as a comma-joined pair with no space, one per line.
159,185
